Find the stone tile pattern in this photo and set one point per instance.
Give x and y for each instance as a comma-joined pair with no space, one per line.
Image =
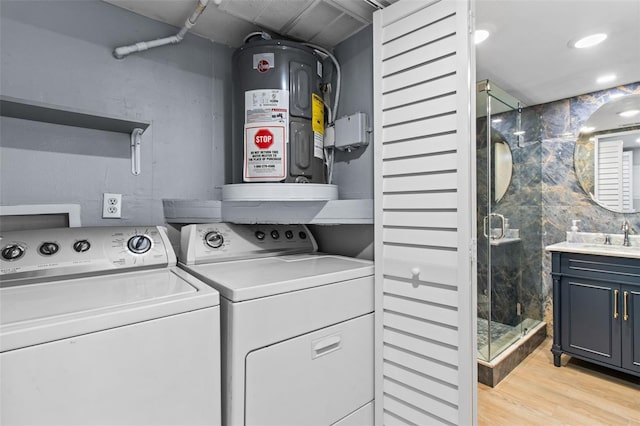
543,197
563,199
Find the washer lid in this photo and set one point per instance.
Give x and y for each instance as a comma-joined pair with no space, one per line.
37,313
254,278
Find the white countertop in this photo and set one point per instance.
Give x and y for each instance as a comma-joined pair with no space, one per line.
593,243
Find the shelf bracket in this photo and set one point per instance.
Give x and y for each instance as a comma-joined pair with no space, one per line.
136,134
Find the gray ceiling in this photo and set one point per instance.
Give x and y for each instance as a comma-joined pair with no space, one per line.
322,22
527,53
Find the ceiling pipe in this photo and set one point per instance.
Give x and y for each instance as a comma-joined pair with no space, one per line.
123,51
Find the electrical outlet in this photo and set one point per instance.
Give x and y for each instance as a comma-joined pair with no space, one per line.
111,206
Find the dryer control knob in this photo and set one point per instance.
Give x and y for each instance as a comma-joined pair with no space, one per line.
289,234
48,248
81,246
214,239
13,252
275,234
139,244
260,235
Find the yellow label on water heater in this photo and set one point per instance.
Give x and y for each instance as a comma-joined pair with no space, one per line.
317,114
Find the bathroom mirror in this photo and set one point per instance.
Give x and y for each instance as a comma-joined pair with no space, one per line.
607,155
501,112
501,165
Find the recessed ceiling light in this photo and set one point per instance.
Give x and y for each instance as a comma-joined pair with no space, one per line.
608,78
589,41
519,132
587,129
497,120
480,35
629,113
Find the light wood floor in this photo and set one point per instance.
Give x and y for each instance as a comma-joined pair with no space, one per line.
578,393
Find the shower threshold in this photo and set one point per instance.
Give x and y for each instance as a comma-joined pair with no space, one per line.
492,372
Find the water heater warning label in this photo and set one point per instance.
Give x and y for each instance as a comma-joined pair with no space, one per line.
266,105
265,153
317,123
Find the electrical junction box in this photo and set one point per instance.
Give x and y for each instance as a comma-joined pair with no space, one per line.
352,132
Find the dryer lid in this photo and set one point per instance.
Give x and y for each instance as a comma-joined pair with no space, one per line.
254,278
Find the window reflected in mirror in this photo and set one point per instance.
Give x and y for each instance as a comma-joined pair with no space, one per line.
607,155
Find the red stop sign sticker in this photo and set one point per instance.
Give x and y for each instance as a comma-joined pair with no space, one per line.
263,138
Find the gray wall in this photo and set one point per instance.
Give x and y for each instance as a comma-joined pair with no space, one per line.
59,52
353,171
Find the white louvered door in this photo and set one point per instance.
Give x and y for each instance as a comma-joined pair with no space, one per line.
424,214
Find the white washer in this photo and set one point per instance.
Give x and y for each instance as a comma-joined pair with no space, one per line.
98,326
297,325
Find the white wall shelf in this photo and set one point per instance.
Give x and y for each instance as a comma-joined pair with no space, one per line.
47,113
333,212
38,111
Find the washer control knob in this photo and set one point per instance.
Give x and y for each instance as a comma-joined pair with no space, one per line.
13,252
302,235
48,248
81,246
139,244
275,234
289,234
260,235
214,239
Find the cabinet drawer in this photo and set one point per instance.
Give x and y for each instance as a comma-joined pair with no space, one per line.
604,268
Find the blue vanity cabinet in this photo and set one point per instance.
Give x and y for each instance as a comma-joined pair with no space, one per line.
631,329
596,309
588,326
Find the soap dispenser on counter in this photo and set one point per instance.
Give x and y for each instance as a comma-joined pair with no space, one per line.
572,237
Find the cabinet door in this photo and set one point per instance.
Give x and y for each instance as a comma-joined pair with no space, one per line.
631,328
589,324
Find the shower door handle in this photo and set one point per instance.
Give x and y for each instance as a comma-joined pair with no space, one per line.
487,220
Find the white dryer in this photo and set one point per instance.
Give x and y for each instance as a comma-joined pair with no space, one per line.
98,326
297,325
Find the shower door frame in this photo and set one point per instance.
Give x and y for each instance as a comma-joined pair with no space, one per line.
491,213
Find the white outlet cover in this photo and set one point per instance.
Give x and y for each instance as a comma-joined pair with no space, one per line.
111,205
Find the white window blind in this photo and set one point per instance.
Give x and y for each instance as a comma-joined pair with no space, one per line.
608,185
627,181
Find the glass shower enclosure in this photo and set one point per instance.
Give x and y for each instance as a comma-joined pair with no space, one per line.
508,283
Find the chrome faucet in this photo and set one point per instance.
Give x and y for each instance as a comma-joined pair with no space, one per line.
626,228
